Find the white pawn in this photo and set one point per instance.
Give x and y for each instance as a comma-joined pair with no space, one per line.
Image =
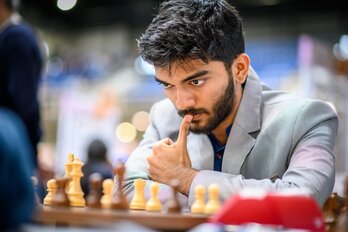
213,204
153,204
105,200
138,202
199,203
51,191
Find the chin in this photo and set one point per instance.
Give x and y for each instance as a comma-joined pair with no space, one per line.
197,129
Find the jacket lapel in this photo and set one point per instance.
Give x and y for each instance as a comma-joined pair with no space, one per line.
247,120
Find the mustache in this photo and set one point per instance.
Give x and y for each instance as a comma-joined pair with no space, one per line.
192,111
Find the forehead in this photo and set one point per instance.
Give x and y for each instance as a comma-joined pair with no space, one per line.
183,65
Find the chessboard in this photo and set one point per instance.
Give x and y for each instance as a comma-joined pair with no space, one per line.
91,217
66,205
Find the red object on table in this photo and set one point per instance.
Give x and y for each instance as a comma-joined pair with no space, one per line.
296,211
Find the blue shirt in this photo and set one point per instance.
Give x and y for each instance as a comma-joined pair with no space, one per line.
218,150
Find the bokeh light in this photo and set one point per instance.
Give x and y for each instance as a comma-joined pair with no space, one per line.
126,132
141,120
66,4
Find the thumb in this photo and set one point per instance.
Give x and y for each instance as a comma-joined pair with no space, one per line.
183,131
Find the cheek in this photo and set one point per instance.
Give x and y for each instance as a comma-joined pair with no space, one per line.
210,99
171,95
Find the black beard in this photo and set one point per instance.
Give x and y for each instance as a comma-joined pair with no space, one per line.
223,107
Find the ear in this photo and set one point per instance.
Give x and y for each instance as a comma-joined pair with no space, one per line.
240,67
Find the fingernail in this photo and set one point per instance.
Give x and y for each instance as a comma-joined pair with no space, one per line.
189,117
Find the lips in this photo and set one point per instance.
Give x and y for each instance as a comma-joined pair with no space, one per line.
196,117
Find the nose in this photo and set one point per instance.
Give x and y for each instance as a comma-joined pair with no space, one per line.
184,99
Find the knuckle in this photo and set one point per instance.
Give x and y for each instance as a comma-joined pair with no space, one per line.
149,158
149,170
156,148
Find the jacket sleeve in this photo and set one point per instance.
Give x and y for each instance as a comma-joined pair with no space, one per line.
310,161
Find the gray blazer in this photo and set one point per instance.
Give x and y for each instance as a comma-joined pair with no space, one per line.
274,134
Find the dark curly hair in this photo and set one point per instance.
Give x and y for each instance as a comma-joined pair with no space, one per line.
210,30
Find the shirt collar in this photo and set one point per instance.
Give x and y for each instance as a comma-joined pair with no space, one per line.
214,140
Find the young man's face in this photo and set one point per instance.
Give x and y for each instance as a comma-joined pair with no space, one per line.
205,90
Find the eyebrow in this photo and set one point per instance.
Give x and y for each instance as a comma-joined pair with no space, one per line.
193,76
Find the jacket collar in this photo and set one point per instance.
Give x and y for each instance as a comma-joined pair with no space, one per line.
248,114
240,142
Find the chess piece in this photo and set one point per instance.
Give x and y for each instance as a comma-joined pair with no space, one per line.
213,204
35,182
75,192
199,204
94,196
138,202
68,168
61,198
105,200
342,225
332,209
51,191
153,204
173,204
119,200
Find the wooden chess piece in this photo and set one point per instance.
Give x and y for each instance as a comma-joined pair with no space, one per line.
35,182
105,200
51,191
138,202
94,196
199,204
153,204
213,204
61,198
332,209
75,192
173,204
119,200
342,225
68,168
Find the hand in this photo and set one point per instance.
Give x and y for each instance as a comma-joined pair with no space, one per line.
170,160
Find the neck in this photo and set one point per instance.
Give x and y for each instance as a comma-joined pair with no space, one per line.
220,132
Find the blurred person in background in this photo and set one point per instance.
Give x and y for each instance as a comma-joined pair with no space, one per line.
97,162
21,64
17,192
220,123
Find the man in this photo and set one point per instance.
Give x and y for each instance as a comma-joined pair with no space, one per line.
97,162
219,123
20,70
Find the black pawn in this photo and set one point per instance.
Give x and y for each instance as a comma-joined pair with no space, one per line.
173,205
61,197
95,187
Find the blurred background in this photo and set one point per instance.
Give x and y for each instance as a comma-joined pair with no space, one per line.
95,86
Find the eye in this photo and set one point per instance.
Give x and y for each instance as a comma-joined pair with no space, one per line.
165,85
197,82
